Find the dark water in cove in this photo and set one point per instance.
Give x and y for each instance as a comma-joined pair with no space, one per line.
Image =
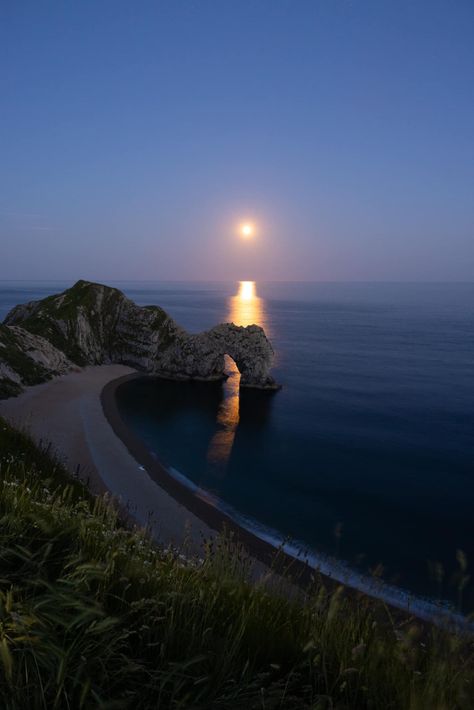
366,454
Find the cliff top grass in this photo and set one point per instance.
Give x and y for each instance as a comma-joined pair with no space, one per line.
92,614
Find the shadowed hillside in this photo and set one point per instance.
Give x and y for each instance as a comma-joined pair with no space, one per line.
94,615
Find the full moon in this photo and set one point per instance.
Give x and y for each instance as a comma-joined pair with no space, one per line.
247,230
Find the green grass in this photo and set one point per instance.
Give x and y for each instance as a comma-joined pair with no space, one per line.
94,615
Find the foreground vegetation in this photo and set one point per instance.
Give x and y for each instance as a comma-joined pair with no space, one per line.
93,615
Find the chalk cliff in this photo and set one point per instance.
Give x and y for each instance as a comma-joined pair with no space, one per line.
27,359
92,324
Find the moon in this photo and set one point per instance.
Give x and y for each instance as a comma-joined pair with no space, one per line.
247,230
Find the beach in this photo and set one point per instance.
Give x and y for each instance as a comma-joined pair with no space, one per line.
76,416
375,416
67,413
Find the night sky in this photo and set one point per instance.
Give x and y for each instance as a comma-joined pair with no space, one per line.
136,136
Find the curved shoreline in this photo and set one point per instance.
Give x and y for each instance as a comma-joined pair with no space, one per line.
210,515
281,558
93,442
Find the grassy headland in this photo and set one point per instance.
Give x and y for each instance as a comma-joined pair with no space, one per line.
92,614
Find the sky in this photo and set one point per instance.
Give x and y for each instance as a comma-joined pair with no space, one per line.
136,136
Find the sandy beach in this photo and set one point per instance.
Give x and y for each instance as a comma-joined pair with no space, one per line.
67,412
77,415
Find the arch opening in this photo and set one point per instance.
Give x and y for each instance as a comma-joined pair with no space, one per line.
228,417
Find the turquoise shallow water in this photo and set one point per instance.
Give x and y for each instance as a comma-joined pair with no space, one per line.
366,454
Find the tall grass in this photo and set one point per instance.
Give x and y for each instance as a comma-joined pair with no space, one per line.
92,614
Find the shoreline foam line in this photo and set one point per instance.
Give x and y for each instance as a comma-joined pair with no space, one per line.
264,544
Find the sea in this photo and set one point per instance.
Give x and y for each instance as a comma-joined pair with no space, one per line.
364,460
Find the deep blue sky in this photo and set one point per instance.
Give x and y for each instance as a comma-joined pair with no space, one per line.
135,135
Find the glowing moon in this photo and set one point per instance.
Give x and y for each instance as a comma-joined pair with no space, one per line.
247,230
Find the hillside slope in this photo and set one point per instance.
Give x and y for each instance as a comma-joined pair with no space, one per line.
93,615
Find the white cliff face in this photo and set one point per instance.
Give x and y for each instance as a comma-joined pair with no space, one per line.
27,359
92,324
6,373
42,352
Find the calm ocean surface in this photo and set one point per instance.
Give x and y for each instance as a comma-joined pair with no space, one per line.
366,454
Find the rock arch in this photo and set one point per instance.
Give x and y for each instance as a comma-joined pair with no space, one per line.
202,356
93,324
251,351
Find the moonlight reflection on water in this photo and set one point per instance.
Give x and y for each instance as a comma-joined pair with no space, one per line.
245,308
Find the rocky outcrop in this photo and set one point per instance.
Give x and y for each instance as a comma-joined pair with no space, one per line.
27,359
92,324
202,356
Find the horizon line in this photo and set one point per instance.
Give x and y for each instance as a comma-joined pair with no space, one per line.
236,280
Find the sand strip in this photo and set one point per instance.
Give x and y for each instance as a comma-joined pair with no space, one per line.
78,415
67,412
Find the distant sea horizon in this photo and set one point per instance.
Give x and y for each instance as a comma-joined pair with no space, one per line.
157,281
366,456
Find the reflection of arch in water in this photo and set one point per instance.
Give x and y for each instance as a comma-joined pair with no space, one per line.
245,308
254,408
239,410
227,418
